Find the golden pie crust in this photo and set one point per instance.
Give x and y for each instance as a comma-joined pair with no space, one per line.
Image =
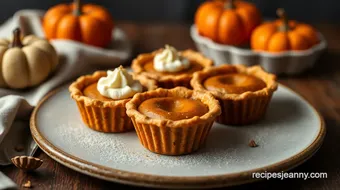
170,137
104,116
244,108
170,80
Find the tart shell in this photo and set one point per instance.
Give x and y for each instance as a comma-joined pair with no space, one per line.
171,80
103,116
169,137
244,108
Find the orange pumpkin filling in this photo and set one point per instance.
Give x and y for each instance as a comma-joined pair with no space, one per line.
234,83
92,92
194,66
172,108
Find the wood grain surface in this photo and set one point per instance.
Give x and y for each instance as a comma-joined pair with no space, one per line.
320,86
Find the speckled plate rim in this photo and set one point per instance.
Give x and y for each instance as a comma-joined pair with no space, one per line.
158,181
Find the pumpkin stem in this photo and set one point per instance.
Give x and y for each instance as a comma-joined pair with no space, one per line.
77,8
230,4
16,38
281,13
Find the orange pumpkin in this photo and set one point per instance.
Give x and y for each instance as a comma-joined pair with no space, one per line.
228,22
88,23
283,34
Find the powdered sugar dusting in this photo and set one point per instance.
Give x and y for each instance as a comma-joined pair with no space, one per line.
115,148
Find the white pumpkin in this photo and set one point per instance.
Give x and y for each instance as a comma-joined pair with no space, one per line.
25,62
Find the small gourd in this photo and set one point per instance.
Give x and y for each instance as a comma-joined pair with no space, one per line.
227,22
283,35
87,23
25,62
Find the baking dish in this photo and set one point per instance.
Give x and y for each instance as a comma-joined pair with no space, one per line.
289,62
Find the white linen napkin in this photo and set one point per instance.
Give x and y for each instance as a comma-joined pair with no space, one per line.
75,59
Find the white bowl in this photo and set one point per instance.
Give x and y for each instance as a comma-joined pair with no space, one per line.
289,62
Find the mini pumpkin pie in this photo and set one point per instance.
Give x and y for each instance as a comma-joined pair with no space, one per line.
169,67
243,92
173,121
101,98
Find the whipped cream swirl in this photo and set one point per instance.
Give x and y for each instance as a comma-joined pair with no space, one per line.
118,84
170,60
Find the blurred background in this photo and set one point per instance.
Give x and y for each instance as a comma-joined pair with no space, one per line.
314,11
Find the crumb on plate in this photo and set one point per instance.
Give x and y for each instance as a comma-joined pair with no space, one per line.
252,144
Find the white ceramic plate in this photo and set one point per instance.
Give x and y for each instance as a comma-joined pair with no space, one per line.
291,132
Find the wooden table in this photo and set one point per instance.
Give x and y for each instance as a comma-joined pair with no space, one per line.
320,86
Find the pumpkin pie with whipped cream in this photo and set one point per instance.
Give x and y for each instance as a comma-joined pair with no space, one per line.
173,121
243,92
169,67
101,98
